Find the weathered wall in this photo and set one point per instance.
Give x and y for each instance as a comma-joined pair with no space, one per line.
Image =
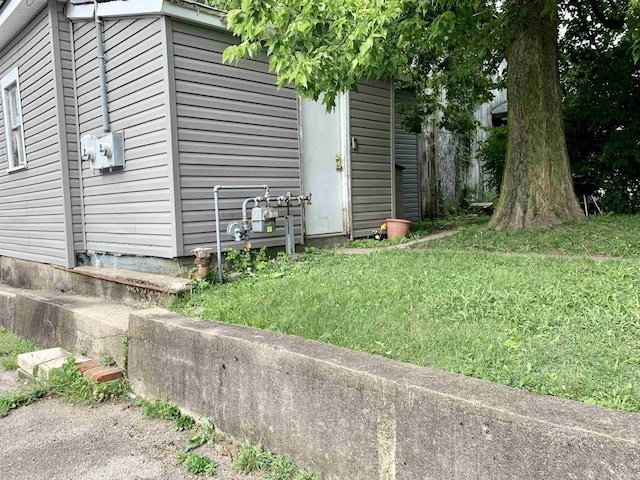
32,210
358,416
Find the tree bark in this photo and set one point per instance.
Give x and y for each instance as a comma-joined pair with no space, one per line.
537,189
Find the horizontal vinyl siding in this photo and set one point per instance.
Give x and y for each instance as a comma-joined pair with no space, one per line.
234,128
406,155
371,186
126,211
31,201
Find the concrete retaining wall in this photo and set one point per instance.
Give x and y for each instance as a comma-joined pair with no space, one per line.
357,416
7,307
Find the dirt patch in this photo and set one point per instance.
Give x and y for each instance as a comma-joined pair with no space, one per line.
401,246
8,381
54,440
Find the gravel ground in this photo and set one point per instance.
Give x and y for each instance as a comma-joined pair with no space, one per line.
54,440
8,381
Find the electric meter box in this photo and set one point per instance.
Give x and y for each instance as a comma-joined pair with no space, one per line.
263,219
103,152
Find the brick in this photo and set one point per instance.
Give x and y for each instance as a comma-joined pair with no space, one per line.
87,365
106,374
87,373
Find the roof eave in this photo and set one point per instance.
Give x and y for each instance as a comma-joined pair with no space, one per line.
182,9
15,15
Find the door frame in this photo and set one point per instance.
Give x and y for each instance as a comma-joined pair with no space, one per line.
342,102
345,151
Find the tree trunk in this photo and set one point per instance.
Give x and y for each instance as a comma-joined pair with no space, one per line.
537,189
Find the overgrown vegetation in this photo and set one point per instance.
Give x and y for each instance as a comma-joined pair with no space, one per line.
493,153
19,399
67,383
10,347
601,84
557,326
255,459
198,464
159,409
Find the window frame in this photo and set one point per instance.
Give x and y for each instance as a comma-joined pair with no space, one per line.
9,80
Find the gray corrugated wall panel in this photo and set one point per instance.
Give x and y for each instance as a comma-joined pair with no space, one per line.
234,127
406,154
371,180
136,92
32,221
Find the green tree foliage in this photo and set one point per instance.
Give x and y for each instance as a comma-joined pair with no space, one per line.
493,154
601,82
324,47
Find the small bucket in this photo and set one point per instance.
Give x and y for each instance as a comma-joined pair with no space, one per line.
397,227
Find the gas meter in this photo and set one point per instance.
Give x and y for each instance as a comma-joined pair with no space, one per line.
263,219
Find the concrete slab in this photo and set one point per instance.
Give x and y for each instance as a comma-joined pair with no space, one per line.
166,283
30,361
122,286
43,361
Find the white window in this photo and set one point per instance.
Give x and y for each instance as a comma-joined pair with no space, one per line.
13,126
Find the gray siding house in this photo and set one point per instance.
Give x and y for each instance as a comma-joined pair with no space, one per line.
189,122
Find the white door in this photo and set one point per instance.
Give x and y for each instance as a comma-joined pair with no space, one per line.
322,175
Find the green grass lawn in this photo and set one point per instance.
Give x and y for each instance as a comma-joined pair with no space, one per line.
564,327
605,235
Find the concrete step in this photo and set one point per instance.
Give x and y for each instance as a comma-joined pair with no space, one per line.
123,286
83,325
150,281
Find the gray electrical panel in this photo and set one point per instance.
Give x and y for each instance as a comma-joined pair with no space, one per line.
105,152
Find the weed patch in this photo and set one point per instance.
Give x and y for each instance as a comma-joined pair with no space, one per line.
185,422
159,409
198,464
10,347
67,383
255,459
20,399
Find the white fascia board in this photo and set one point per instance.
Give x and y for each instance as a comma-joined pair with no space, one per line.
15,15
124,8
195,15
